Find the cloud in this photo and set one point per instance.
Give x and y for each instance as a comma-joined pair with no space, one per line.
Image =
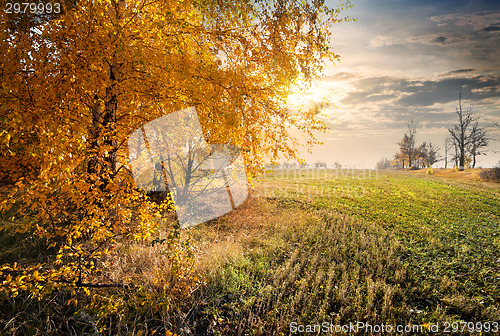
440,39
459,72
477,21
409,93
388,102
445,90
492,28
383,40
465,40
340,76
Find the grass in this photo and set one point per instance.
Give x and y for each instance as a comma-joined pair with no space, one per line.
339,247
393,248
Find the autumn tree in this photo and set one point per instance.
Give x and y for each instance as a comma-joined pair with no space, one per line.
407,150
428,153
399,160
74,89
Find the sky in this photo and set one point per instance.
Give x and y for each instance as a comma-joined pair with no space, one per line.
407,60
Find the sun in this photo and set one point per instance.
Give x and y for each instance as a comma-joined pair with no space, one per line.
326,93
295,100
306,96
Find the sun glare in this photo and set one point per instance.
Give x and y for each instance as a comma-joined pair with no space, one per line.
320,92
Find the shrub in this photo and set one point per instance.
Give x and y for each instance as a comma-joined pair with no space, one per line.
491,175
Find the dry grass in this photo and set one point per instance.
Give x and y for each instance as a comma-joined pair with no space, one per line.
223,240
302,266
473,174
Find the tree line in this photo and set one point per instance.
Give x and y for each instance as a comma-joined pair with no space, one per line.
466,141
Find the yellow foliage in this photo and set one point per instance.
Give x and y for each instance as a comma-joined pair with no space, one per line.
75,88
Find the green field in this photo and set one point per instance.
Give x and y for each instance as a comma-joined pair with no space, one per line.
338,247
350,246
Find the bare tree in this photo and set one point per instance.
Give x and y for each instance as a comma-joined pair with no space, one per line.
478,141
448,143
320,164
460,133
469,139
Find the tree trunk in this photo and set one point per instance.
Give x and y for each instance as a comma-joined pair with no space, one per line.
462,158
109,121
445,155
462,136
96,112
103,143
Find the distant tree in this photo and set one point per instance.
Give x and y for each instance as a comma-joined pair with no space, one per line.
429,154
407,151
478,141
456,154
337,165
459,132
467,136
399,159
448,143
288,165
409,154
396,164
433,155
274,165
384,164
420,156
320,164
